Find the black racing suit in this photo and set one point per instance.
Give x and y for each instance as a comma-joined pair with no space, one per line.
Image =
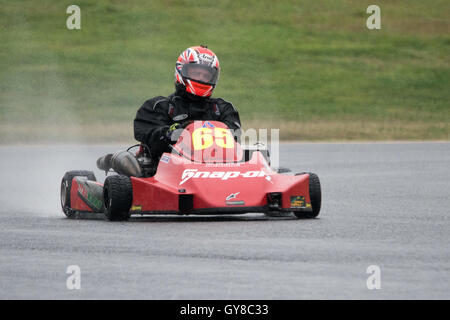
156,115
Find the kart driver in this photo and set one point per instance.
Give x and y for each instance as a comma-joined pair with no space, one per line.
159,120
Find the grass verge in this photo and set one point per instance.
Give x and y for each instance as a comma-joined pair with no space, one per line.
310,68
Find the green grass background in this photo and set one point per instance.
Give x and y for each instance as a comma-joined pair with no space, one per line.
310,68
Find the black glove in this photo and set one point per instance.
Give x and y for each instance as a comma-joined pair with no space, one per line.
173,133
175,130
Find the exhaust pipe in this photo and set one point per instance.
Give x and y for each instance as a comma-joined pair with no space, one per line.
104,163
122,162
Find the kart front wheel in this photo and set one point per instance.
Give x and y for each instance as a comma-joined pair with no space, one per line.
315,194
66,187
118,196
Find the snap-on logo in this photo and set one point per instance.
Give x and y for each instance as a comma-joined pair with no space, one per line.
222,175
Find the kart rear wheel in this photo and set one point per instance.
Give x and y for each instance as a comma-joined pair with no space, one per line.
118,196
315,194
66,186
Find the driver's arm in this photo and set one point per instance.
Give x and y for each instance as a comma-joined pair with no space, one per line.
230,116
151,124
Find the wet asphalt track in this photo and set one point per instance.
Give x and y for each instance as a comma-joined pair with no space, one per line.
383,204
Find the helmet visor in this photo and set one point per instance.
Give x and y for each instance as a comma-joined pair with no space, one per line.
200,73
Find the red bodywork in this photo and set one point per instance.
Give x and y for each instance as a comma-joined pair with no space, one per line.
205,175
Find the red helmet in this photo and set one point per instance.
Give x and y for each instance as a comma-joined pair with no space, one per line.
197,70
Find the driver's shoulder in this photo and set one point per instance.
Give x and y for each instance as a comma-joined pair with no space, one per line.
222,103
158,101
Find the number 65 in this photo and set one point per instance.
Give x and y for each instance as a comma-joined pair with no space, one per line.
203,138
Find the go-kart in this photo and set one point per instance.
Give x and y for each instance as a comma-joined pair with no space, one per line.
207,172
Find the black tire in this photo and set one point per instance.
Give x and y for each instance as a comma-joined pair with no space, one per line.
315,194
117,196
66,186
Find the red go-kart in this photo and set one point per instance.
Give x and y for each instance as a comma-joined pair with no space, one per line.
207,172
